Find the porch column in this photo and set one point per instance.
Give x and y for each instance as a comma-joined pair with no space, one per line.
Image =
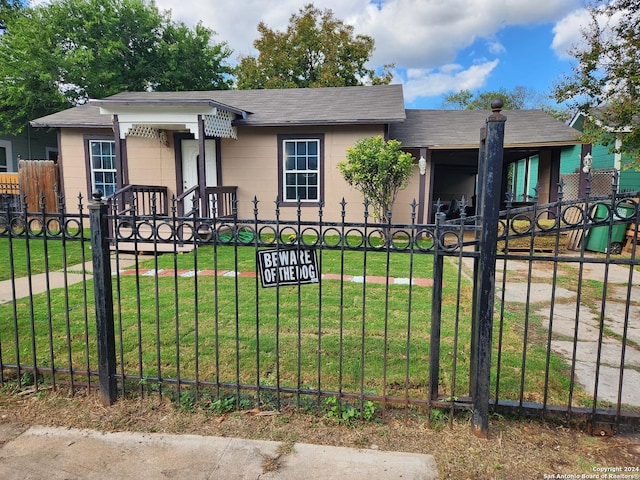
582,177
425,188
122,173
202,168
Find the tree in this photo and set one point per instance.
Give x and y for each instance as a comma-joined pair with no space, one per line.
607,77
379,169
8,10
316,50
58,55
516,99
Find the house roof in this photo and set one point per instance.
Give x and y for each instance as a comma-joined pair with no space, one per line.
460,129
377,104
599,114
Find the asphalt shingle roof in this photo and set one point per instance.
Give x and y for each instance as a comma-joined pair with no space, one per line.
461,129
313,106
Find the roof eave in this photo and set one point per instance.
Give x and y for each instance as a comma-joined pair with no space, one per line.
207,103
471,146
36,124
311,123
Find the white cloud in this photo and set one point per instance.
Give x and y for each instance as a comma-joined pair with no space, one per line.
567,33
409,33
496,47
448,78
412,34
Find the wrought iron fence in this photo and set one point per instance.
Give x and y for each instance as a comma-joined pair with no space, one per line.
529,310
355,317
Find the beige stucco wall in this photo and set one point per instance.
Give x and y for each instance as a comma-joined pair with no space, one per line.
250,163
73,165
150,163
544,176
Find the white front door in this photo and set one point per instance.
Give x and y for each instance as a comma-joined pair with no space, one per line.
190,153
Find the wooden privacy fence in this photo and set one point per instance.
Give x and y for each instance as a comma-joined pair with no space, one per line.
38,179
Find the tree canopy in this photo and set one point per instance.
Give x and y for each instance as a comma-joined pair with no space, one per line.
8,10
516,99
379,169
316,50
59,54
607,77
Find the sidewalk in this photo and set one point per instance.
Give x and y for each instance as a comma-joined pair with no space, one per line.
38,283
70,454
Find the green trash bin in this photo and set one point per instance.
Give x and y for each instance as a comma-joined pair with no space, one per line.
598,238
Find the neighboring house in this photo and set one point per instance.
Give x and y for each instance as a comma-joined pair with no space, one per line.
32,144
281,143
604,162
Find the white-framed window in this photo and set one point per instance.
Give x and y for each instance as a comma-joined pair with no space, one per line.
301,163
102,158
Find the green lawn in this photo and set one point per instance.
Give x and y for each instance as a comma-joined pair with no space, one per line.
37,254
336,336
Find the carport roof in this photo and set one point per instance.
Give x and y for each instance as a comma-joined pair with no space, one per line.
460,129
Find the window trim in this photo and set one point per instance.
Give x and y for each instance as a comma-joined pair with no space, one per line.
281,170
89,168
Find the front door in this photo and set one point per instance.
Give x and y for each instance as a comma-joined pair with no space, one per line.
190,156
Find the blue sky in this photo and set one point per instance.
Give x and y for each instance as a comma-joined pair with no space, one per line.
438,46
524,58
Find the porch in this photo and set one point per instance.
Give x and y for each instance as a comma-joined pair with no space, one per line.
145,212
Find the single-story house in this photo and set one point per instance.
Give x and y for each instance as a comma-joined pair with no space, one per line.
285,144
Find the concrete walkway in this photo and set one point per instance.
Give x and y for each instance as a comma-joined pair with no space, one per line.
39,283
588,312
71,454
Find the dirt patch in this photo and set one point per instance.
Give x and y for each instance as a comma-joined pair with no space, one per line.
516,449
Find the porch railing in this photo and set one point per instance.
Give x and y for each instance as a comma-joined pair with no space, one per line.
223,199
219,202
145,199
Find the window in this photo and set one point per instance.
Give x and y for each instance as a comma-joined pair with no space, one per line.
102,158
4,167
301,160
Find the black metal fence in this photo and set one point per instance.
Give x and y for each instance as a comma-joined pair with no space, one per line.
387,322
354,319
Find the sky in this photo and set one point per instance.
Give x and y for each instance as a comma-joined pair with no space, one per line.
438,46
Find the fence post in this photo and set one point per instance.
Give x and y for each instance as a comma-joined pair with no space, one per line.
490,173
103,299
436,308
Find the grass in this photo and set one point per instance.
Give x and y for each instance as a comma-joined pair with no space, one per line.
39,254
334,336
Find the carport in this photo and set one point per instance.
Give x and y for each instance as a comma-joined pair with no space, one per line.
446,142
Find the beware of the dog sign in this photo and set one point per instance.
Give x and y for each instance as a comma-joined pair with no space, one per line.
291,266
